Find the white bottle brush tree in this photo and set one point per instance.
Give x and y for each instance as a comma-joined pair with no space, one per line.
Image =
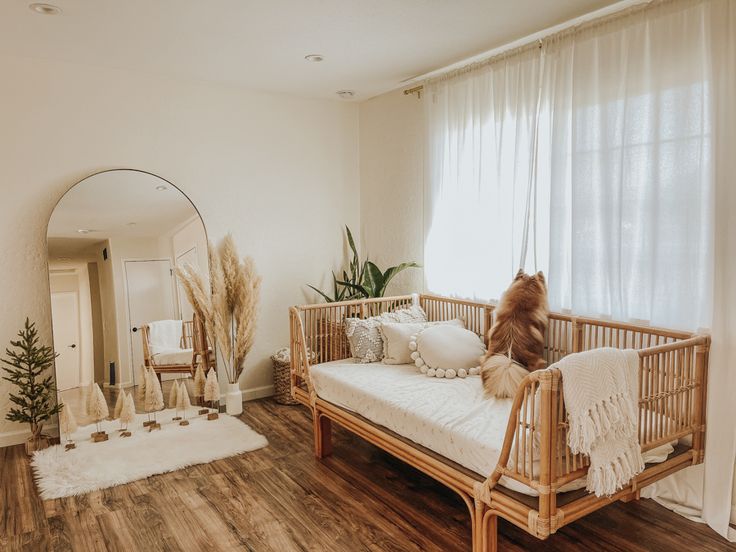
228,304
174,399
67,425
154,397
127,414
98,408
27,366
212,392
182,402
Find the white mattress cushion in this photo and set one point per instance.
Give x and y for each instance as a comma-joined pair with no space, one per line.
172,356
450,417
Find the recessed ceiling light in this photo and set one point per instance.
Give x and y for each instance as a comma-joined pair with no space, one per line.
45,9
314,57
131,224
84,230
64,259
161,188
345,94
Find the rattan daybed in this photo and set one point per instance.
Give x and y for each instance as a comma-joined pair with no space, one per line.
534,454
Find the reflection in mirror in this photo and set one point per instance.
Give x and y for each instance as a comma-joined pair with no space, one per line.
113,242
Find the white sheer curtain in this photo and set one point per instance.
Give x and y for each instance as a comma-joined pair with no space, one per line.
480,125
631,118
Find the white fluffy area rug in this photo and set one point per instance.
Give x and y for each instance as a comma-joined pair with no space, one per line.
92,466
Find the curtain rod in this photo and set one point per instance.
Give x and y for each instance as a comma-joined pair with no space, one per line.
522,43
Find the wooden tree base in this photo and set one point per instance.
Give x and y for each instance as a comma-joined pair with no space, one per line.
213,416
184,423
203,411
154,426
176,418
148,423
70,446
126,434
99,437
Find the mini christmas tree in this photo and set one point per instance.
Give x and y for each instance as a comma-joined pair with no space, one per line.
147,396
173,399
183,403
89,395
98,411
119,404
35,402
142,378
199,382
154,399
212,393
127,415
67,425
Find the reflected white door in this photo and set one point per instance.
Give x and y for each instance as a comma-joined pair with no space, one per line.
187,258
150,291
65,324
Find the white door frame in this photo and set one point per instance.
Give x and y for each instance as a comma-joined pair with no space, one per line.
176,287
127,302
79,333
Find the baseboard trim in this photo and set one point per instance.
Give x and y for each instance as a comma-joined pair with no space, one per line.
257,392
11,438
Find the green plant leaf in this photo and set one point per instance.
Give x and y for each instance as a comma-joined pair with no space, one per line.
351,242
357,287
327,297
394,270
373,279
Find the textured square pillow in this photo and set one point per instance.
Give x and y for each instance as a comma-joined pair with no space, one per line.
396,336
364,334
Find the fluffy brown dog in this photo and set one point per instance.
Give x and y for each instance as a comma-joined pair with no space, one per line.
516,340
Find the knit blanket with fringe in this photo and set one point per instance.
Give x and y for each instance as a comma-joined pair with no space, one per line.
601,395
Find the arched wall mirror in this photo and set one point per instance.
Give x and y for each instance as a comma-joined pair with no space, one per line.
114,240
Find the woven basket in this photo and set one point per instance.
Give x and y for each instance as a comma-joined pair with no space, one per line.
282,377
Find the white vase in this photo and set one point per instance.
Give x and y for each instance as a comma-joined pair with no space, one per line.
234,399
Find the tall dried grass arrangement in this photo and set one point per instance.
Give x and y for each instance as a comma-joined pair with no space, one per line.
229,305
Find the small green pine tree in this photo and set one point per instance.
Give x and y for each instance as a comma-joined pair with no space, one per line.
35,403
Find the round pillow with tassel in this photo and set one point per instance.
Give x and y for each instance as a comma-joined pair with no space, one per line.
446,352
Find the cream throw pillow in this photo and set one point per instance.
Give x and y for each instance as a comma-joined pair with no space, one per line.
447,351
396,337
364,334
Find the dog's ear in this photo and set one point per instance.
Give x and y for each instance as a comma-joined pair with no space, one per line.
519,274
540,277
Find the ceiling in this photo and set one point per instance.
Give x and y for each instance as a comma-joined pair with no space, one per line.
370,46
114,204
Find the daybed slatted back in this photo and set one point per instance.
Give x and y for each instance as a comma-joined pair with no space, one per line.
672,375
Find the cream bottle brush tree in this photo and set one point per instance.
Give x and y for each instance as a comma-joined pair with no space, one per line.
98,411
154,398
174,399
67,425
127,414
183,403
212,393
228,304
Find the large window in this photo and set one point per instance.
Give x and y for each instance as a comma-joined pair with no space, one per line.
593,153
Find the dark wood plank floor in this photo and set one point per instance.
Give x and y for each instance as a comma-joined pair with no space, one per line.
281,498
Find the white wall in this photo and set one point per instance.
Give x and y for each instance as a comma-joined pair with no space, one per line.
279,172
391,194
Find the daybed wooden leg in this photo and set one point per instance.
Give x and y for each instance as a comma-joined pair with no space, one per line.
636,495
485,528
322,435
